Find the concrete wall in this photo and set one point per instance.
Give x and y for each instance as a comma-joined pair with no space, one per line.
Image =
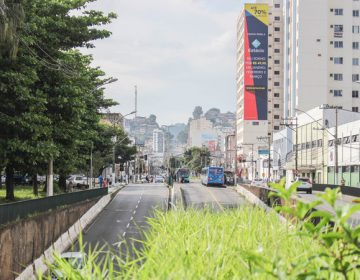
21,243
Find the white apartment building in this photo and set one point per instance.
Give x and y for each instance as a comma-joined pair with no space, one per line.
158,141
268,97
322,61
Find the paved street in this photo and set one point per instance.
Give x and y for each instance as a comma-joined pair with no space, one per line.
125,217
218,198
345,200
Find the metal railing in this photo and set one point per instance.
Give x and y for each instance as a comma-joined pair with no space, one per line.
18,210
352,191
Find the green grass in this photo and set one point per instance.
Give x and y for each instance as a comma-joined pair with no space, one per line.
21,193
244,243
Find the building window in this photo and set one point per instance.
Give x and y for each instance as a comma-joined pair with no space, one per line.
338,77
338,28
338,60
337,92
355,94
255,123
277,18
346,140
331,143
276,117
276,84
277,72
277,50
338,12
355,61
276,94
355,109
355,77
276,61
338,44
355,45
355,138
319,143
276,128
277,40
355,13
356,29
277,28
277,5
276,106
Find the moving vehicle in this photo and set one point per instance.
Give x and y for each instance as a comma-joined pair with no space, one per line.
257,182
159,179
304,185
213,176
182,175
78,181
229,178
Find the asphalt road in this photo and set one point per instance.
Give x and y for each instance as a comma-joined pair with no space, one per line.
124,219
354,219
218,198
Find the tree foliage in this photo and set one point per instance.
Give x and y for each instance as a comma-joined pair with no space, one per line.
197,158
51,95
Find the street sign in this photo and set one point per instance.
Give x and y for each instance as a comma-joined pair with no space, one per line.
263,152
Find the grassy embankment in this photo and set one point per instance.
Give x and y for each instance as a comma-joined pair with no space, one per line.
245,243
21,193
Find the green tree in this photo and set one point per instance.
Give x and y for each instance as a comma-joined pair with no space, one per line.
50,93
197,158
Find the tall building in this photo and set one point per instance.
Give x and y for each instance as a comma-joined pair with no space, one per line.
322,62
158,141
259,74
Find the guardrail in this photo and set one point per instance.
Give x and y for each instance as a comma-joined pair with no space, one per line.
18,210
344,190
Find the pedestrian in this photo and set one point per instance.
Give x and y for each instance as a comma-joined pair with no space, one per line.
101,181
108,179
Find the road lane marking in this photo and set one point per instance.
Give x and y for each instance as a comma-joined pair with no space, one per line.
134,212
217,202
128,225
132,218
124,234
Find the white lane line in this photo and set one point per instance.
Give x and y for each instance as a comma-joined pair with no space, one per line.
128,225
118,221
134,212
124,234
132,218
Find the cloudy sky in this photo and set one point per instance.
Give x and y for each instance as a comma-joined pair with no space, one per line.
180,53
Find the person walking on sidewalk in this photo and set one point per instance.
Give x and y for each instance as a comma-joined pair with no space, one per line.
101,181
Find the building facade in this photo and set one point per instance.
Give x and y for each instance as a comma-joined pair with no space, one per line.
158,141
322,64
259,74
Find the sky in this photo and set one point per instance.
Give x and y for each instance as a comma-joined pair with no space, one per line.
179,53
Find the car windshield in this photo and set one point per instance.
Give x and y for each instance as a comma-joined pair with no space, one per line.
78,178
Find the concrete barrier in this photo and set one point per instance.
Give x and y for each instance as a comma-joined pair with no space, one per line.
66,239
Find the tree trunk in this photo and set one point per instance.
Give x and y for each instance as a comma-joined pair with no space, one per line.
10,183
62,182
35,185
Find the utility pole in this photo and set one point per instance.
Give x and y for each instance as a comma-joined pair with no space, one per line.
91,167
50,178
336,142
136,101
296,125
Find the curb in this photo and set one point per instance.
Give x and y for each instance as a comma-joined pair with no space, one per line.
253,199
40,265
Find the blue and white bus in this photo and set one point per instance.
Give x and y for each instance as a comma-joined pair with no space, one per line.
212,176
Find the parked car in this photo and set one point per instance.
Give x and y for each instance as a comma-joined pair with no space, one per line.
159,179
77,181
304,185
257,182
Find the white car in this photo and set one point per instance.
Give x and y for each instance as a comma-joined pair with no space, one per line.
159,179
257,183
304,185
78,181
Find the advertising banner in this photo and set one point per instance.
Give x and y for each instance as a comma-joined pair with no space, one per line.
256,61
